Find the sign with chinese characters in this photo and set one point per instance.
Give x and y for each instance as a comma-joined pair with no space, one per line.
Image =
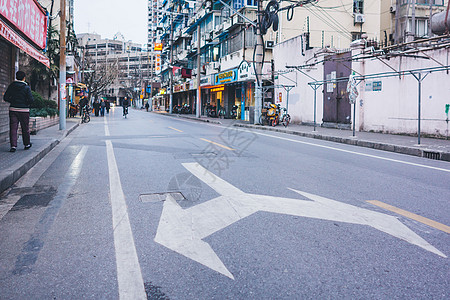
245,71
158,64
179,88
377,86
226,77
19,42
206,81
373,86
158,47
28,18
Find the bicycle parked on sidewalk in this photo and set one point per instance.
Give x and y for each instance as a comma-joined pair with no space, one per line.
222,113
285,117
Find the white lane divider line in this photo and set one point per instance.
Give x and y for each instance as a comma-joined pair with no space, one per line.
129,275
106,127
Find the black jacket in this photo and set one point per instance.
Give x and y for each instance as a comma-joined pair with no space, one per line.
19,95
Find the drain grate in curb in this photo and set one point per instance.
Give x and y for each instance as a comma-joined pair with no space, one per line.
432,155
159,197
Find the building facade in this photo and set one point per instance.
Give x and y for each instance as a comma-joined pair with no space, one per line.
129,62
19,34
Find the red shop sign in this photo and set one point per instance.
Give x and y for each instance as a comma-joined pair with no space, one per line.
27,17
19,42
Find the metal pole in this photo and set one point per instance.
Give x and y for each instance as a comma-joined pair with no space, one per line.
287,100
315,100
259,64
354,117
198,104
420,100
171,66
62,67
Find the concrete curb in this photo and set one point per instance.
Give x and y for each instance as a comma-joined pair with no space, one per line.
445,156
16,171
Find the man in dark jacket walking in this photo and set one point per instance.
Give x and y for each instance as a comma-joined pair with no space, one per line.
18,94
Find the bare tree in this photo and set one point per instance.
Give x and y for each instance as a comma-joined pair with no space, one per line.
98,77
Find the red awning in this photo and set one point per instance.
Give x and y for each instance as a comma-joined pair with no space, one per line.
19,42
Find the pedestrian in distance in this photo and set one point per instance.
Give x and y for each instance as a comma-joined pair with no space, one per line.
96,106
19,96
108,106
147,106
125,104
102,108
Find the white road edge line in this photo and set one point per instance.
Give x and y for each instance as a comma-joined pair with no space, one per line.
322,146
129,275
353,152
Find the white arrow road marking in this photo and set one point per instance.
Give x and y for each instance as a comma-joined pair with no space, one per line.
182,230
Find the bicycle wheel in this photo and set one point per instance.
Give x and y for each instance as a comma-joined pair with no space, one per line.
87,118
273,122
287,120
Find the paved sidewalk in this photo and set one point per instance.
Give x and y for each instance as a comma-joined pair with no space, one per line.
429,147
15,165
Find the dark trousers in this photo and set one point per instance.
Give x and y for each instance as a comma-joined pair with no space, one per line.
15,118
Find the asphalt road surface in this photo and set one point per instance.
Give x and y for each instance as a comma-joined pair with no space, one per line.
158,207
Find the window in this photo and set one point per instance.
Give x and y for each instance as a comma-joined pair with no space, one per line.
421,27
358,6
237,4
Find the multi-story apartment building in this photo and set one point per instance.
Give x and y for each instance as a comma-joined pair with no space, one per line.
397,18
337,23
129,61
227,42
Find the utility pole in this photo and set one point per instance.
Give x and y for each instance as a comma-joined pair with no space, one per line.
171,66
199,90
413,20
397,20
62,67
258,66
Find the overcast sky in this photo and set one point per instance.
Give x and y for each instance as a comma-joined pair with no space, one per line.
107,17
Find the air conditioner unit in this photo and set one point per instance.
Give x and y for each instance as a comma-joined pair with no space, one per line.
359,19
269,44
392,9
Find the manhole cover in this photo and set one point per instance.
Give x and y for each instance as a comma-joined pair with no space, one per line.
158,197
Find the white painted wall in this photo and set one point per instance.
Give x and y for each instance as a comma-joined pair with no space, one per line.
301,97
395,108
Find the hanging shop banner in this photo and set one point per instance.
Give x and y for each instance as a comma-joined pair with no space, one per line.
226,77
158,64
246,71
19,42
28,18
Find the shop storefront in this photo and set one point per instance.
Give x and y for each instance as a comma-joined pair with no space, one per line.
234,90
23,25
